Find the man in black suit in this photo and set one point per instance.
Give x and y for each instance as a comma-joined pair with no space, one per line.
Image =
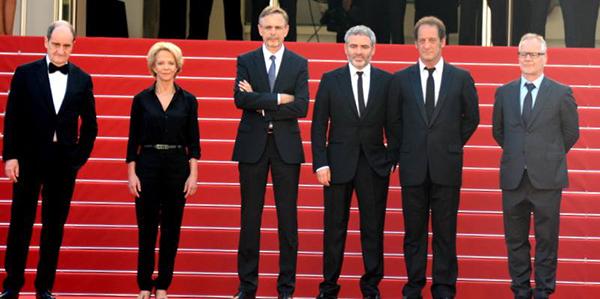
350,116
439,112
43,149
272,91
535,122
289,6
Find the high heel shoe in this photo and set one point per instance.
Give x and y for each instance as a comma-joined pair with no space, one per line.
161,294
144,295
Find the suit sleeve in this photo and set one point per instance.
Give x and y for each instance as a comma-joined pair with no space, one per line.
193,131
393,127
251,100
320,124
299,107
135,127
569,120
470,118
89,127
11,117
498,119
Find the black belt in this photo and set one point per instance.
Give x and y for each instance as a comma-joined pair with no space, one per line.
163,147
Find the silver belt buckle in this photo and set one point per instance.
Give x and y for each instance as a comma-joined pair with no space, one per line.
161,146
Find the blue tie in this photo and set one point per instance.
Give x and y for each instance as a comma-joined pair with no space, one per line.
272,73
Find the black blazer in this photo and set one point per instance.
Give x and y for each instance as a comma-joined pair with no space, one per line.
336,120
292,78
30,120
436,144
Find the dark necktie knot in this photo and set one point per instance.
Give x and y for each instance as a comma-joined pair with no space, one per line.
63,68
530,86
430,70
273,57
359,73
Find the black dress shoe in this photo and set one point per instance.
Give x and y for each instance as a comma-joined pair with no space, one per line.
244,295
44,295
372,297
323,296
8,294
284,296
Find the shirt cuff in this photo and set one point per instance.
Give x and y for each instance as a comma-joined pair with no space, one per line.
278,99
322,167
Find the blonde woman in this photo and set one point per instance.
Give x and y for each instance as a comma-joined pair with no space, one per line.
162,157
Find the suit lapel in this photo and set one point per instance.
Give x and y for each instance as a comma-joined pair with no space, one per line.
447,76
373,88
70,86
285,64
44,83
514,94
261,69
418,91
540,100
345,83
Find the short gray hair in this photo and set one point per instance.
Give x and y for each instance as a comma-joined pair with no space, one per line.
59,23
540,38
361,30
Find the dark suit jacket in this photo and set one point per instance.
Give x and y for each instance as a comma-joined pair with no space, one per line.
31,120
436,145
336,120
292,78
552,130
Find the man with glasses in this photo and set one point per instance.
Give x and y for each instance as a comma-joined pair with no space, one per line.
271,89
535,122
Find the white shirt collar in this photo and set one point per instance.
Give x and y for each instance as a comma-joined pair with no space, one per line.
537,82
366,70
439,66
278,54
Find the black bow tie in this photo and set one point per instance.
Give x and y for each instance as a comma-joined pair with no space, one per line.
63,69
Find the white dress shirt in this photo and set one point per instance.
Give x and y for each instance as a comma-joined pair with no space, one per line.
58,88
278,57
437,78
366,78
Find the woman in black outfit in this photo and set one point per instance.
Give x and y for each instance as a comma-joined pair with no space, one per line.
162,158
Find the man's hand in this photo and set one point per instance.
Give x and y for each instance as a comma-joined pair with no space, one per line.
245,86
324,176
11,169
285,98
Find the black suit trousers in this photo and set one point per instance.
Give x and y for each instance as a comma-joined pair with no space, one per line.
162,175
253,182
580,18
200,11
529,16
371,190
56,180
517,207
443,202
290,8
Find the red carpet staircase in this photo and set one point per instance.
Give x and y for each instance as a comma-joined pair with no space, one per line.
100,245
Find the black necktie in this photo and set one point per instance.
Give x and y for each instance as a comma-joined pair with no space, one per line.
527,103
361,95
430,94
63,68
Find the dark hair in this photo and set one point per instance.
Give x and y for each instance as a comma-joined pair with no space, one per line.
431,21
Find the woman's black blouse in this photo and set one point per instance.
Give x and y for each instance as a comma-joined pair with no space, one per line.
150,124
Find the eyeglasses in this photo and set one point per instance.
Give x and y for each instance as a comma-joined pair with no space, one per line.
531,54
